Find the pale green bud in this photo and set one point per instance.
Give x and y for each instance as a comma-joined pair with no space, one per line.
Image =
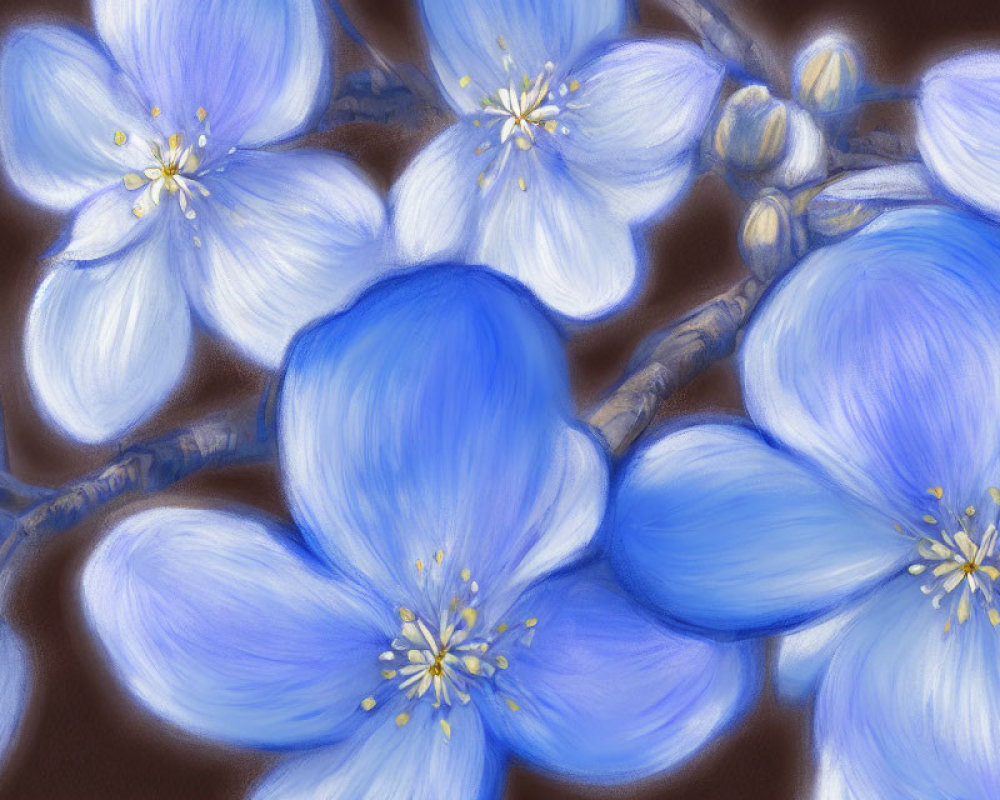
827,76
751,131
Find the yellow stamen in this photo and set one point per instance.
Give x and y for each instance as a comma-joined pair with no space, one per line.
464,81
402,719
512,705
439,556
175,141
368,703
929,519
388,674
466,574
420,565
501,627
970,511
120,138
138,211
446,728
531,623
502,662
155,111
574,85
469,615
937,491
202,114
995,494
406,615
994,617
521,183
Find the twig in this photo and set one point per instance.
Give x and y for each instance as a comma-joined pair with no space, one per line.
682,351
227,439
724,38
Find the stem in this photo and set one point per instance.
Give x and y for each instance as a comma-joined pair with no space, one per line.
226,439
682,352
720,35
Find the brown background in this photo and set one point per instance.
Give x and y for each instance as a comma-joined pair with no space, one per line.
84,740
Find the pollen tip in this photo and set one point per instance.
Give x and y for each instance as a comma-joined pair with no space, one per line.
464,81
501,627
970,511
469,615
574,85
155,111
994,617
402,719
466,575
420,565
995,494
446,728
531,623
406,615
929,519
502,662
937,491
201,114
368,703
120,138
522,184
512,705
388,674
439,556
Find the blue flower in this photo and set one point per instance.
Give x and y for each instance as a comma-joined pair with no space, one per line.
150,137
958,114
437,617
867,502
565,139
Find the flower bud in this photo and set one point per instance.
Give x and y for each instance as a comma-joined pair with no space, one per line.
805,157
751,131
771,239
827,76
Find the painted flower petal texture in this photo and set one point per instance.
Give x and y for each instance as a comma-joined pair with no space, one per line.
435,202
258,68
958,113
105,345
716,528
384,762
879,358
636,119
218,624
15,680
103,226
59,113
804,654
908,710
431,420
282,239
474,44
557,237
607,694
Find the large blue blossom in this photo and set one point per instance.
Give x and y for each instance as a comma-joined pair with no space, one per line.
565,139
436,619
867,501
149,136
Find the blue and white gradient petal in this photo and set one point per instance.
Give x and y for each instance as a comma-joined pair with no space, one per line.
221,626
259,68
908,710
958,114
384,763
834,391
105,345
717,528
606,693
15,684
288,237
398,419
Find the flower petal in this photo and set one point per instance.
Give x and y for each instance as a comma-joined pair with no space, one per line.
283,239
432,416
103,226
636,118
59,113
716,528
879,357
472,38
218,624
259,68
804,654
435,201
15,684
105,345
907,710
958,112
605,693
388,762
557,237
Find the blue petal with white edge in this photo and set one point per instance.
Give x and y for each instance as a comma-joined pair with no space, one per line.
103,226
908,710
958,113
15,682
217,624
879,358
714,527
479,46
421,760
259,69
555,234
604,692
105,345
804,654
60,112
283,238
431,420
633,117
435,202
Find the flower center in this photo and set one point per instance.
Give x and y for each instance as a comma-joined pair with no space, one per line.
961,562
443,656
173,169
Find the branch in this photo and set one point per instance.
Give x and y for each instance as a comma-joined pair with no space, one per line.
719,35
680,353
227,439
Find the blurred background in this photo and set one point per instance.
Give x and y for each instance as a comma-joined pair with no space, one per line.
83,738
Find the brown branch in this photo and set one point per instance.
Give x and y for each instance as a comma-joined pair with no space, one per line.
227,439
684,350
